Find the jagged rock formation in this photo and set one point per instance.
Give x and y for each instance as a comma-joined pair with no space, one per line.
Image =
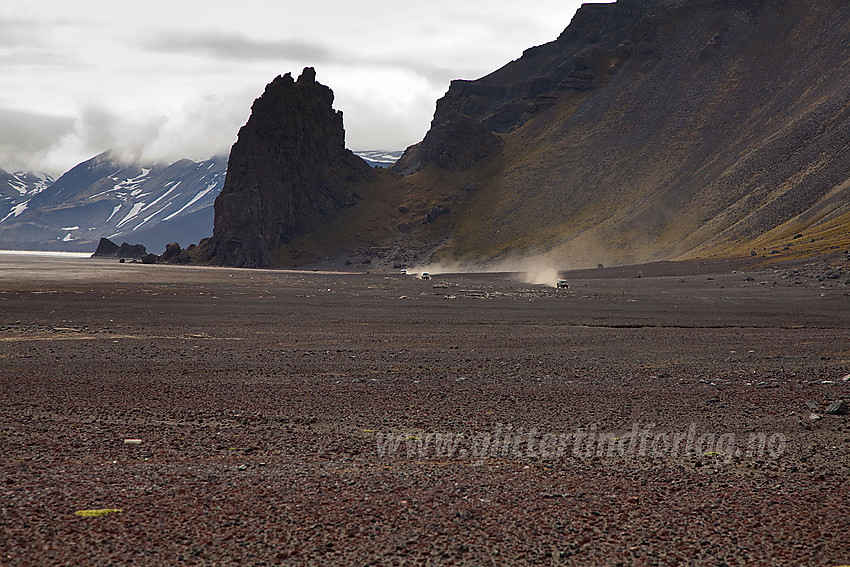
597,44
600,42
288,173
173,253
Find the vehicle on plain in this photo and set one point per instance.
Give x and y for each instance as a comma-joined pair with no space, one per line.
425,276
562,284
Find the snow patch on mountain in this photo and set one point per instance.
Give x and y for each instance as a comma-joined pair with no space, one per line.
194,200
16,210
134,210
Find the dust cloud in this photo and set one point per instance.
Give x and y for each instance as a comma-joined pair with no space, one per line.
536,270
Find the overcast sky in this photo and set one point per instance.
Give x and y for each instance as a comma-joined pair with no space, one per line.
168,79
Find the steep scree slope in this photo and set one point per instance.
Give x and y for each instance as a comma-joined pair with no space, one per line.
655,130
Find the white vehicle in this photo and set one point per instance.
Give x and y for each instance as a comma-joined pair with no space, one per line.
562,284
425,276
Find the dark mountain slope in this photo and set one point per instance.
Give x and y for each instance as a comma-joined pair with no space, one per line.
699,127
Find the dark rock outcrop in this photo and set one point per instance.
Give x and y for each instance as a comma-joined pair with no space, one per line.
600,41
132,251
289,172
589,53
174,254
457,142
108,249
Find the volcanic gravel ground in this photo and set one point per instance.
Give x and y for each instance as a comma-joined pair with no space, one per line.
293,418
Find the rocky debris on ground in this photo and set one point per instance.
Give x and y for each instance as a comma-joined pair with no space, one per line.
819,274
838,407
302,377
60,328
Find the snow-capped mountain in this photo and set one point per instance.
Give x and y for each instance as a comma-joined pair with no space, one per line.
102,197
379,158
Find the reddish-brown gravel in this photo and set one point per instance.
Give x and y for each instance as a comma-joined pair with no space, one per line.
268,404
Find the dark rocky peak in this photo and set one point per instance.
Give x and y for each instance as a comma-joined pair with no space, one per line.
600,41
288,173
289,109
457,142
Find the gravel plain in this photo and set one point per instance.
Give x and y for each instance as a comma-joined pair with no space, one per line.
261,417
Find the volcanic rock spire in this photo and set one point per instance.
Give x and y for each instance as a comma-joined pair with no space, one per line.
288,172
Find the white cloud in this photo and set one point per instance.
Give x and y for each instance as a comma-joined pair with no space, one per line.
177,78
234,46
385,107
26,138
195,130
